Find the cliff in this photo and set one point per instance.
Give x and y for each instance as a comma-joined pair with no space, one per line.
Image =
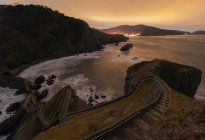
30,33
184,79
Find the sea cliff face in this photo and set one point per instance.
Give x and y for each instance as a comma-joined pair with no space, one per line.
181,78
30,33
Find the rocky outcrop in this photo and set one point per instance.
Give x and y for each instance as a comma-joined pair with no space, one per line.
39,80
181,78
33,117
42,95
9,125
11,82
127,47
13,107
32,33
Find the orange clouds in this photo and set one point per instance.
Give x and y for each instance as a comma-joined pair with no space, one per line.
116,12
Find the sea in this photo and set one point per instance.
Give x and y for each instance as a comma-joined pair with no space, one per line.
103,73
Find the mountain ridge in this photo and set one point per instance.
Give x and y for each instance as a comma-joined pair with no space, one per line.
143,30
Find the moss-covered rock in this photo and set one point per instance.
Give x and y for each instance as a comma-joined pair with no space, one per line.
184,79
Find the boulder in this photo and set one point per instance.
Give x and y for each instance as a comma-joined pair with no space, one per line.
50,79
11,81
10,124
96,97
53,76
13,107
36,87
42,95
103,96
21,90
39,80
127,47
90,100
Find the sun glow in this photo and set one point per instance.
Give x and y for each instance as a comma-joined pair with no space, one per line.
161,13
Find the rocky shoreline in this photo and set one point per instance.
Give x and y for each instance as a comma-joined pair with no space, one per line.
31,110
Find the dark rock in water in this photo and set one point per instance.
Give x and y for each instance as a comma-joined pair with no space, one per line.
39,80
13,107
11,81
50,79
134,58
0,112
127,47
96,97
10,124
90,100
42,95
181,78
103,96
50,82
53,76
20,91
25,88
36,87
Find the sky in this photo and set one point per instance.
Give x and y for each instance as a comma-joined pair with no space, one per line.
186,15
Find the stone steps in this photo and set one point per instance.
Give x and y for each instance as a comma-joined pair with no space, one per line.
138,128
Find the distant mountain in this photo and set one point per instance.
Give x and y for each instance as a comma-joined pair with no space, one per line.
143,30
199,32
31,33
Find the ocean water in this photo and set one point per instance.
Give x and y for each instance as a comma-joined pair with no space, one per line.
103,73
188,50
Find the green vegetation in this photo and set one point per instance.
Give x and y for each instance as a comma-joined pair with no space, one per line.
181,106
30,33
81,125
181,78
182,120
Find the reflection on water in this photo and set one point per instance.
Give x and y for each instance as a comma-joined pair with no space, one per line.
189,50
103,73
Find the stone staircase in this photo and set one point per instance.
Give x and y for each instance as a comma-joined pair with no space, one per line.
139,127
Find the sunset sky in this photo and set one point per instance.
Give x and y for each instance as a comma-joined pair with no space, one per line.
172,14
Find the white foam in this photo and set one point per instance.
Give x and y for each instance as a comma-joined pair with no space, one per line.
4,137
55,66
66,65
7,97
84,89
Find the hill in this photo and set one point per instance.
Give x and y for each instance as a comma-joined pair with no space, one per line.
30,33
143,30
199,32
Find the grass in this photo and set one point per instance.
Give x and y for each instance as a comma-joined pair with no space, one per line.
81,125
180,115
181,106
